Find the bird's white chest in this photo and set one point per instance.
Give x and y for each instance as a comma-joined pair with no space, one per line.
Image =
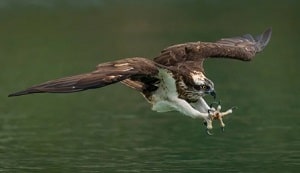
162,97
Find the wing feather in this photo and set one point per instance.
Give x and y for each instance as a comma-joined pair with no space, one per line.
105,74
140,72
241,48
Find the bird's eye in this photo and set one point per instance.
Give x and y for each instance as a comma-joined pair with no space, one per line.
201,87
205,87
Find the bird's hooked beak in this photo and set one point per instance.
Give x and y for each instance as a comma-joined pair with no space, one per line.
213,93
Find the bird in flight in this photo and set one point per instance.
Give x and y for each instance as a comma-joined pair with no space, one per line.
173,81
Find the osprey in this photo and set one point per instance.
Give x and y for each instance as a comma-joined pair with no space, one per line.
173,81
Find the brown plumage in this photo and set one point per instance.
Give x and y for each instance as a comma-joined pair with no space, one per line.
142,74
105,74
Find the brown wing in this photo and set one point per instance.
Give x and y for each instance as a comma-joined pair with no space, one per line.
240,48
106,73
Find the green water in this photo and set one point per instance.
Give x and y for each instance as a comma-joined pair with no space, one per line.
113,129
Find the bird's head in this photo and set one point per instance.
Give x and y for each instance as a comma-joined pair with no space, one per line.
203,85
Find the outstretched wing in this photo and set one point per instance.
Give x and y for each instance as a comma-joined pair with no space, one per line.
240,48
105,74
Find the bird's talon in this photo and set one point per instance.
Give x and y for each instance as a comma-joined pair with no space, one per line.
208,132
216,114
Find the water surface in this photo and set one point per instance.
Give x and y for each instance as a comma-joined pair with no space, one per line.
113,129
